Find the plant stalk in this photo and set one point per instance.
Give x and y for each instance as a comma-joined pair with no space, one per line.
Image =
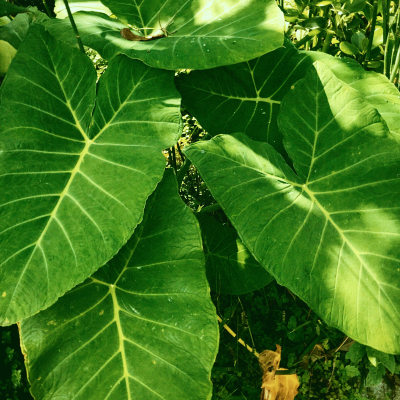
385,15
395,70
49,12
303,41
327,42
371,36
183,171
210,209
74,27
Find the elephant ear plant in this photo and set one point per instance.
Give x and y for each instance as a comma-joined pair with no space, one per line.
102,264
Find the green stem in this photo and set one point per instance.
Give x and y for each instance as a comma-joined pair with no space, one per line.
385,15
386,58
210,209
71,19
183,171
180,152
327,42
174,158
395,70
393,28
371,36
49,12
303,41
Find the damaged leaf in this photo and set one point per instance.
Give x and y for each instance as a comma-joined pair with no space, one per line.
276,387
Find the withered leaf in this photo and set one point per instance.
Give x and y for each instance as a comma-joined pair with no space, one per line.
276,387
127,34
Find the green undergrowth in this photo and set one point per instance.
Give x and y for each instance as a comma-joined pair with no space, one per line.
13,380
310,348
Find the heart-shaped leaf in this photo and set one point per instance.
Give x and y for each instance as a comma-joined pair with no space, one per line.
73,186
331,232
244,97
191,34
142,327
376,88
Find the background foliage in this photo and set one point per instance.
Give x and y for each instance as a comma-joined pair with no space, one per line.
366,34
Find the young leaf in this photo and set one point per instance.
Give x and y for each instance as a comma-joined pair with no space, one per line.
356,352
231,268
73,187
142,327
206,34
386,359
330,232
375,375
351,371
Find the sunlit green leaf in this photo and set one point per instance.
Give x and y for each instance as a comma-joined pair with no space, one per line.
349,48
7,53
331,231
376,88
202,34
79,5
244,97
142,327
73,186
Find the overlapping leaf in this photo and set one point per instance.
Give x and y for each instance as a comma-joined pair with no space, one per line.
376,88
230,266
15,31
331,232
204,34
79,5
73,187
142,327
244,97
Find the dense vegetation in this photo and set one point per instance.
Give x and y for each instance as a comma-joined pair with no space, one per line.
279,127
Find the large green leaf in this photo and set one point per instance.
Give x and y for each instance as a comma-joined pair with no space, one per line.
208,33
376,88
142,327
331,233
73,187
244,97
231,268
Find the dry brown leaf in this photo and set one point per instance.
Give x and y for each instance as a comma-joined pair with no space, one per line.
276,387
